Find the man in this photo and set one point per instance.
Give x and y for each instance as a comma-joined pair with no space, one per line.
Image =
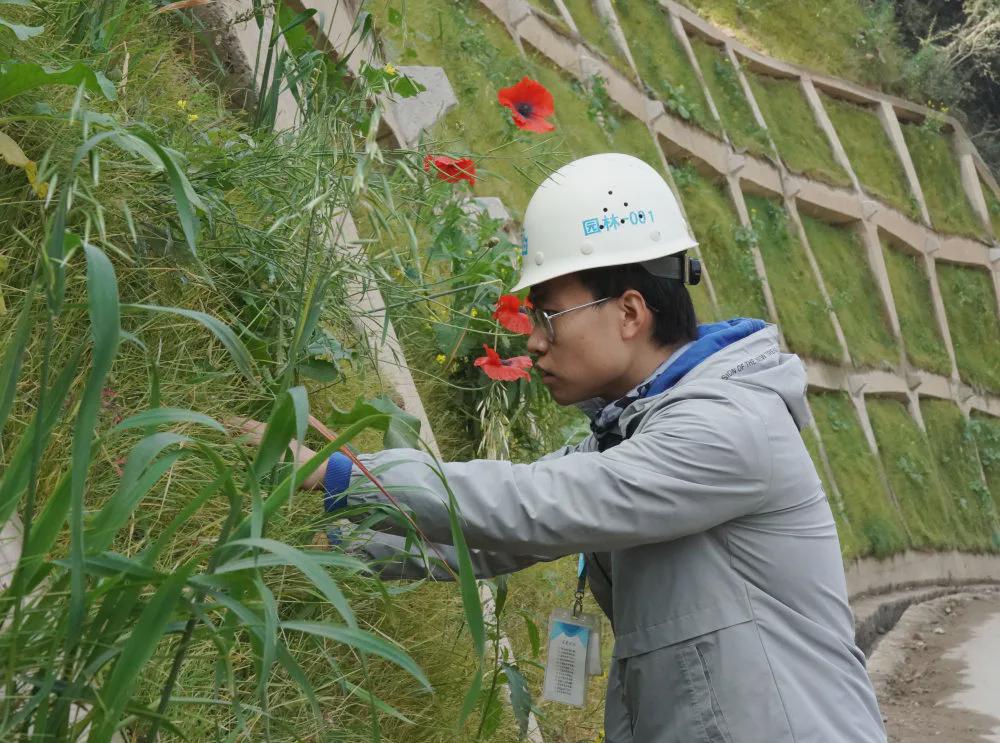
708,540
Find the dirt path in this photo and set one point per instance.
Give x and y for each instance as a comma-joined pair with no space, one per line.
925,702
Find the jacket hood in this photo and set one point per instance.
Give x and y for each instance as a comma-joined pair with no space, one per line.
744,351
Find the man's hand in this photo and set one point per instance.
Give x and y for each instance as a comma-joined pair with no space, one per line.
253,433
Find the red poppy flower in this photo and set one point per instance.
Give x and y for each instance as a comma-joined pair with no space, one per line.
509,314
451,170
503,370
530,103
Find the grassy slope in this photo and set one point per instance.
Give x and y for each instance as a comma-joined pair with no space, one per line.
958,464
835,42
597,32
871,154
853,292
663,65
913,476
986,431
971,306
730,263
911,294
937,171
439,34
870,510
727,94
802,145
802,312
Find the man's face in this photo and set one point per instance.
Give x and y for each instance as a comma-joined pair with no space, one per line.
588,356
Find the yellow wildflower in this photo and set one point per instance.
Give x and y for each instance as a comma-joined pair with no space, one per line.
192,118
475,312
440,358
182,105
390,70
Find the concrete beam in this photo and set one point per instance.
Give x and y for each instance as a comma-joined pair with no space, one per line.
887,115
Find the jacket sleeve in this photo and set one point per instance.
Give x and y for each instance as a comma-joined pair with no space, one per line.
698,463
388,555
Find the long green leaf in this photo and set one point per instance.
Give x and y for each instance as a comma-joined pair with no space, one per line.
309,568
238,352
138,649
13,357
180,189
363,641
138,477
15,476
20,77
105,324
164,416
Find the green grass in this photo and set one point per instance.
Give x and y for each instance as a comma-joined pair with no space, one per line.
439,34
993,207
802,145
985,429
940,180
597,33
853,292
840,37
911,293
971,307
662,62
850,544
871,153
869,509
727,93
970,503
913,476
725,247
802,313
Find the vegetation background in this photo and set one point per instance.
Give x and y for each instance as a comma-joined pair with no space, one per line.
167,261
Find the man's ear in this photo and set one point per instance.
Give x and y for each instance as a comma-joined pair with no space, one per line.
637,318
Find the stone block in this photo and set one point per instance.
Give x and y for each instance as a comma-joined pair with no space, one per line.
419,113
994,255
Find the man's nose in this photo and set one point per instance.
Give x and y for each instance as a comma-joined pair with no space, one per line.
538,344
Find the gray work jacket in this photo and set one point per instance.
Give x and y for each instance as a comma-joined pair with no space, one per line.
710,546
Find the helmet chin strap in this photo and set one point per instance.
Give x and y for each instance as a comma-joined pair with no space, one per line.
677,266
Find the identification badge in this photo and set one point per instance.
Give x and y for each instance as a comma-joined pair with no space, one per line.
566,664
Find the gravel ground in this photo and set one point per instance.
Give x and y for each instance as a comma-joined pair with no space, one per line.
925,702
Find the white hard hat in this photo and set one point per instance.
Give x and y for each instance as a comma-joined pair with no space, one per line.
603,210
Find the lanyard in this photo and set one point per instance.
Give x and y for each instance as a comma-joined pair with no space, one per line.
581,585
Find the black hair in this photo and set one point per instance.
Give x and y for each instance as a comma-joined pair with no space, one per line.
673,311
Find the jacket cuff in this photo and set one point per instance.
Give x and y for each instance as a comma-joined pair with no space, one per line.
335,481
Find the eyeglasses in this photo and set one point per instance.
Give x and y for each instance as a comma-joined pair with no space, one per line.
543,319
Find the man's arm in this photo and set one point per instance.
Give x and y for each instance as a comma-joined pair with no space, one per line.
704,462
390,557
393,560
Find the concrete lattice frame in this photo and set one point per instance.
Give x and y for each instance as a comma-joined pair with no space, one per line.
874,220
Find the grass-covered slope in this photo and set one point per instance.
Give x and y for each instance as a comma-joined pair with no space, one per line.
853,292
802,314
971,307
911,294
803,146
869,509
725,245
